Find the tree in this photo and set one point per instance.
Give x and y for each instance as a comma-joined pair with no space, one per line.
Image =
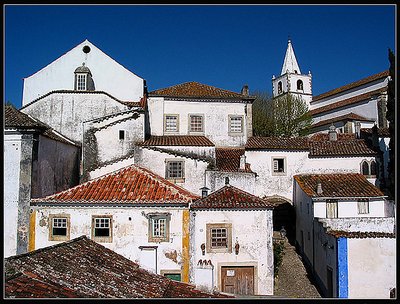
390,115
284,116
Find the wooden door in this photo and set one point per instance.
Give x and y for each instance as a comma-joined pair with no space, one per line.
238,280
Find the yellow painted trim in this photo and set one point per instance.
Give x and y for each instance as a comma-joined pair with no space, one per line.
185,246
32,228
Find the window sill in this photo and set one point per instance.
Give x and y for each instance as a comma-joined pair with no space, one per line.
235,133
279,174
176,180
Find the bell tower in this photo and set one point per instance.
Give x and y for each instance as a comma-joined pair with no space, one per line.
291,80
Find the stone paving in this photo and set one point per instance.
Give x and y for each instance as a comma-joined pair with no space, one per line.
293,280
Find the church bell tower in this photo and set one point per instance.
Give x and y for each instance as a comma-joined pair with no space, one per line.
291,80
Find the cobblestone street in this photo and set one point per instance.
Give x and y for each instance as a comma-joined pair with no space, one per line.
293,280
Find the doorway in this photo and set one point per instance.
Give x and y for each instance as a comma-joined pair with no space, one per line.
237,280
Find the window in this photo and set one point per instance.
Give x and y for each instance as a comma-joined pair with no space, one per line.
368,168
59,227
278,166
299,85
172,274
363,206
81,82
235,124
219,237
196,123
159,227
171,123
121,134
331,208
279,87
175,170
102,228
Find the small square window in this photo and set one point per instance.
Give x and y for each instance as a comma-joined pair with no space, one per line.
171,123
278,166
59,227
175,170
219,237
159,227
121,134
235,124
363,206
102,228
196,123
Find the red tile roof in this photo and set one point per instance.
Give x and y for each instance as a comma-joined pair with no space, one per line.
349,185
93,270
230,197
320,136
352,85
228,159
277,143
340,148
346,117
360,235
382,132
130,185
178,140
198,90
346,102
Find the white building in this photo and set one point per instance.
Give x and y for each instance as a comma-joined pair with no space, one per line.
338,218
231,242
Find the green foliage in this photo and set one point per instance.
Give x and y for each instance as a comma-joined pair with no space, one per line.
283,116
279,252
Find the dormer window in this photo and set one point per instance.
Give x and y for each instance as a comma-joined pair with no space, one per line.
83,79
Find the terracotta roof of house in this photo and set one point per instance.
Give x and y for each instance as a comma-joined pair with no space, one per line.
346,117
198,90
230,197
178,140
382,132
277,143
337,185
340,148
321,136
228,159
92,270
352,85
360,235
16,119
346,102
132,185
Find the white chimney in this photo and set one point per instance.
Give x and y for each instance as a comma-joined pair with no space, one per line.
242,164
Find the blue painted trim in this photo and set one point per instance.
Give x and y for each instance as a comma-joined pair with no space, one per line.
342,268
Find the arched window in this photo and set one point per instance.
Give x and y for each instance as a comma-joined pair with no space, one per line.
373,168
279,87
365,168
299,85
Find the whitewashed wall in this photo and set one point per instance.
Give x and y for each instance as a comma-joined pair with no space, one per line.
364,224
12,158
252,229
216,119
242,180
371,267
108,75
130,230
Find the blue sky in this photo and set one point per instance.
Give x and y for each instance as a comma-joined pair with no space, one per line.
225,46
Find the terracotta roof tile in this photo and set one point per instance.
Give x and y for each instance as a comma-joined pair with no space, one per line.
198,90
338,185
277,143
321,136
230,197
382,132
359,234
347,117
228,160
92,270
352,85
340,148
346,102
178,140
130,185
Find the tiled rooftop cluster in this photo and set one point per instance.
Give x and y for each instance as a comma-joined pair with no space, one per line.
337,185
130,185
352,85
178,140
199,90
84,268
360,235
347,117
230,197
382,132
228,160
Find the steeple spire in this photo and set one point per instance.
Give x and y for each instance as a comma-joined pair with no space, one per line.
290,63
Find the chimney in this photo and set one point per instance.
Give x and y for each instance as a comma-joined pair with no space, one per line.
226,180
332,133
242,164
319,188
204,191
245,90
357,129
